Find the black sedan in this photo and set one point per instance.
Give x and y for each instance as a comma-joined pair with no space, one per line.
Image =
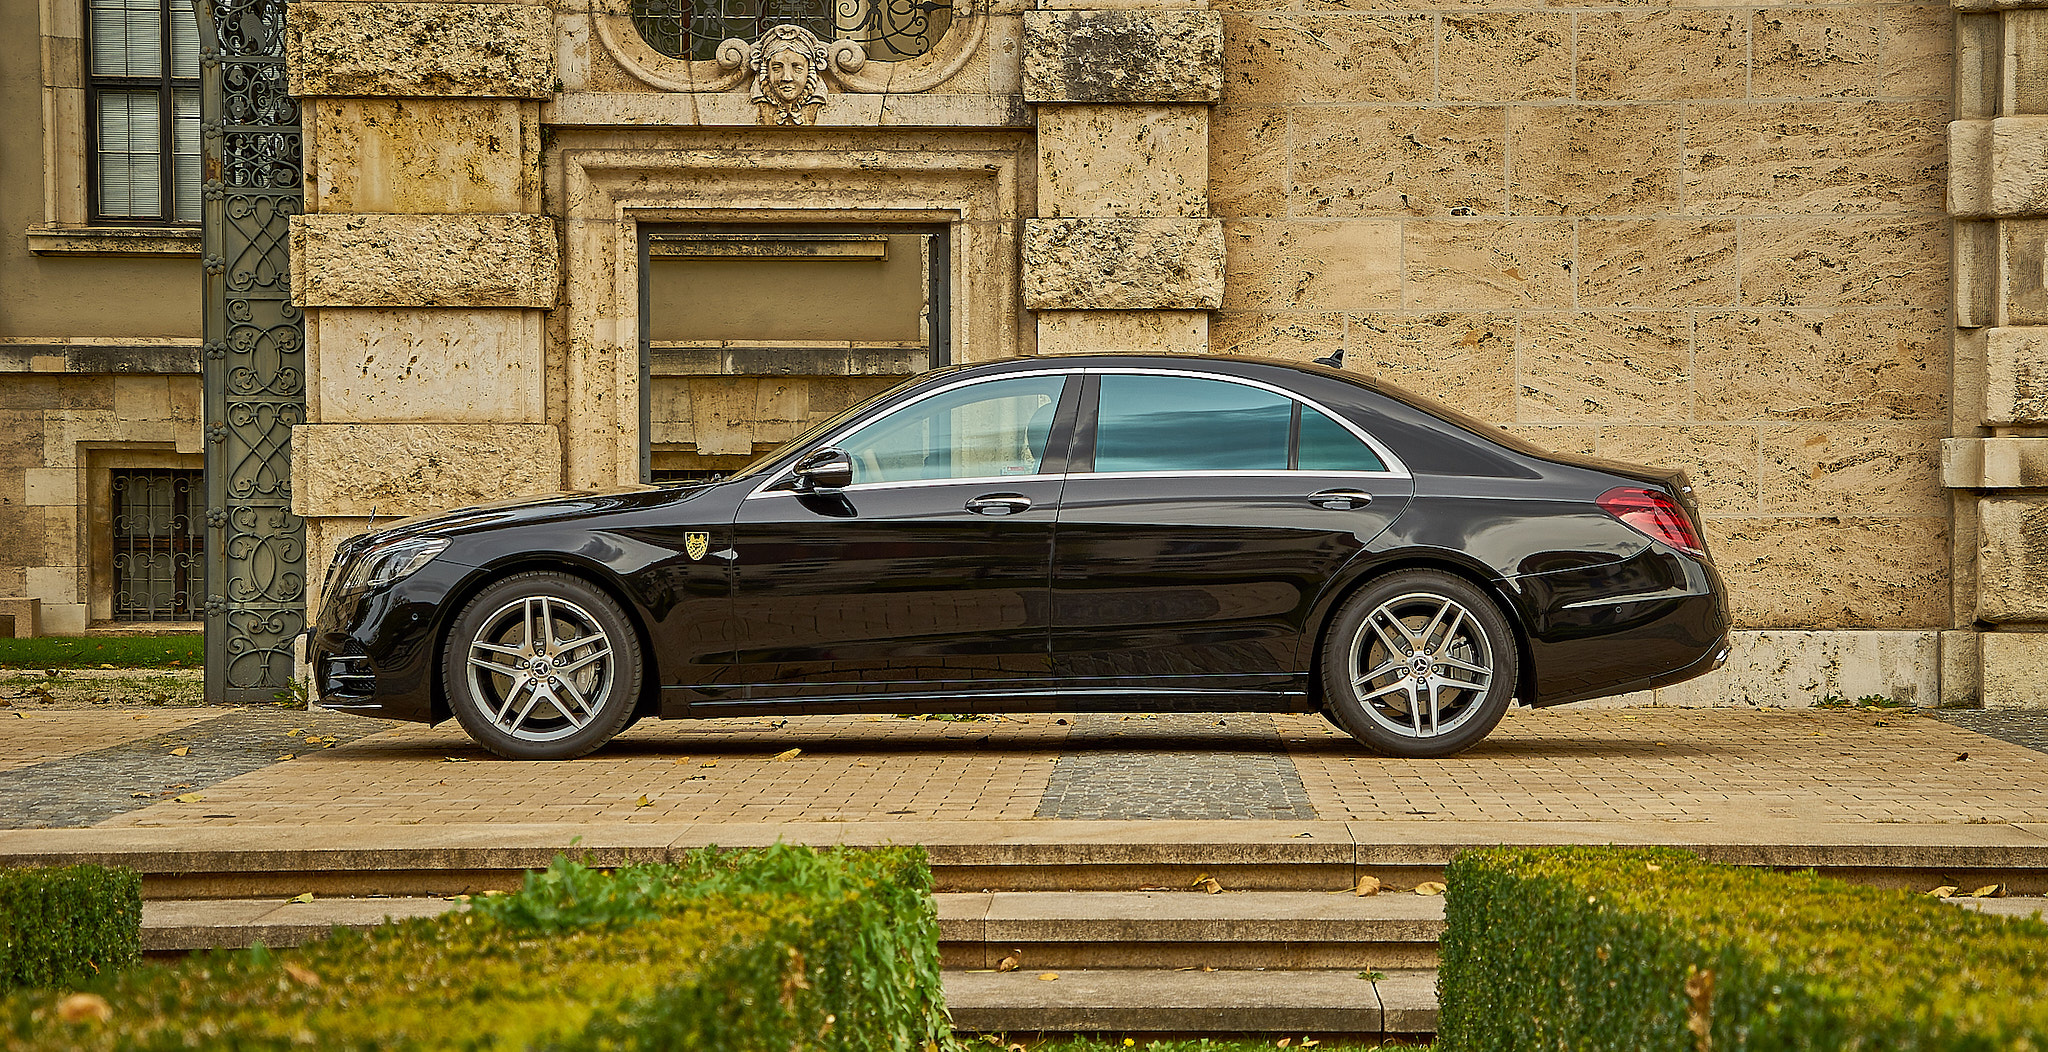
1102,533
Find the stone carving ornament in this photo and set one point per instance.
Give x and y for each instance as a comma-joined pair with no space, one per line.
789,65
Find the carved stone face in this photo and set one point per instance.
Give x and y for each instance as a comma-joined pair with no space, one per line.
788,76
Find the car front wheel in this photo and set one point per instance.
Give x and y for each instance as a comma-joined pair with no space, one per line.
1419,664
542,666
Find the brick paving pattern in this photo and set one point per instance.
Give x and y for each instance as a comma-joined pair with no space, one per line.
1175,766
1559,765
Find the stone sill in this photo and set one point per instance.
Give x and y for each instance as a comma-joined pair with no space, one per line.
114,241
165,357
595,109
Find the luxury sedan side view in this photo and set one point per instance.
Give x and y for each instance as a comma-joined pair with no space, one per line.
1072,534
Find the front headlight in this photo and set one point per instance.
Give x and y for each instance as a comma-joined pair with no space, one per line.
381,564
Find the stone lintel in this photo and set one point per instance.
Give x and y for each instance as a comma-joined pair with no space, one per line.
2012,560
1994,463
2016,375
395,470
410,50
1123,56
424,261
1123,264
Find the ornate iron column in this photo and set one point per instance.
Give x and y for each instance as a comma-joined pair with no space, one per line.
255,352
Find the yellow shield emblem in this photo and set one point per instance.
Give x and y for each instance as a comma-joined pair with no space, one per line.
696,544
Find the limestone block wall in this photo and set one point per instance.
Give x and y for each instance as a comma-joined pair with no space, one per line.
1711,237
425,260
1997,463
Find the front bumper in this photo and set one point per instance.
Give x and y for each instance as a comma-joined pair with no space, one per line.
377,651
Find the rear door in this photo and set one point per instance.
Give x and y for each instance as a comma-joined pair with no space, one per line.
1201,517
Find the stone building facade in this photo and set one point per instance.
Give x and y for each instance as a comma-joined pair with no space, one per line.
1794,249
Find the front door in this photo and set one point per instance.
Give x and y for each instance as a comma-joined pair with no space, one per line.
928,575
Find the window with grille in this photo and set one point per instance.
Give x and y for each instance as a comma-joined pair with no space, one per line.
889,30
142,90
159,545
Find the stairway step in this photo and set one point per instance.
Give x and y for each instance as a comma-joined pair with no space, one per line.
1155,1001
232,924
1171,929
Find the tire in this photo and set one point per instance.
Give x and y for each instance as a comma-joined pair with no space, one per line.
522,713
1419,664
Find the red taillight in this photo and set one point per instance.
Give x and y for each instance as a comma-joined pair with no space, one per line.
1655,515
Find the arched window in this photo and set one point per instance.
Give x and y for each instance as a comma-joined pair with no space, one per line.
888,30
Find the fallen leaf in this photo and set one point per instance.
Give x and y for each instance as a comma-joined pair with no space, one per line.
1298,836
1011,962
189,798
302,897
1283,1042
1209,885
295,731
643,801
1942,892
682,759
286,756
141,716
1309,1042
144,796
1962,756
454,759
1368,885
1429,887
182,750
1048,976
21,715
302,975
787,754
1989,891
1653,867
79,1008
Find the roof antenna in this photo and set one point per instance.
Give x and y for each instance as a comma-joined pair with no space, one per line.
1335,359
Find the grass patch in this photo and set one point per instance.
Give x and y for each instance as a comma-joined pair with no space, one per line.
47,652
1103,1043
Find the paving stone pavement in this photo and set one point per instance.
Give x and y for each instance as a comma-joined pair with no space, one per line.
1175,766
2020,728
79,767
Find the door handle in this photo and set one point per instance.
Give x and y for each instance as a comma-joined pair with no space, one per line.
999,504
1340,499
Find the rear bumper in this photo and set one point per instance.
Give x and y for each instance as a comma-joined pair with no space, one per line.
1656,619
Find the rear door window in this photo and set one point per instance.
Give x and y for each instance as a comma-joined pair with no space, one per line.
1187,423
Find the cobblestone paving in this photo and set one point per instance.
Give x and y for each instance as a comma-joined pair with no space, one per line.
1220,766
86,788
2020,728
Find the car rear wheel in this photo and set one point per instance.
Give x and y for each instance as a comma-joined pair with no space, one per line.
542,666
1419,664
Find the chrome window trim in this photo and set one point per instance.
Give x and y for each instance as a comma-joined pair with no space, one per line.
1396,469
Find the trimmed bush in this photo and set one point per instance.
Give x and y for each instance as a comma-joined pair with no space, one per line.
1591,949
784,948
65,926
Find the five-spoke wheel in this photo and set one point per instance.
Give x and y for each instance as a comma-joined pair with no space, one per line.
1419,663
542,666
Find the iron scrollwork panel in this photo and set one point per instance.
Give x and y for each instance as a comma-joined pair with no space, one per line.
255,351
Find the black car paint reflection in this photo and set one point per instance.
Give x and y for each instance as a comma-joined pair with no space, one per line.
1199,586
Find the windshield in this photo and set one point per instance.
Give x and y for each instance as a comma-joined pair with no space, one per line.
760,463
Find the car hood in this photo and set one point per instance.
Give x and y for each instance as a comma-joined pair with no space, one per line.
521,510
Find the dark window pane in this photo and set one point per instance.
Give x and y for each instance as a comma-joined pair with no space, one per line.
990,429
1184,423
1327,446
159,545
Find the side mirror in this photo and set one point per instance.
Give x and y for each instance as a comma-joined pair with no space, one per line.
824,470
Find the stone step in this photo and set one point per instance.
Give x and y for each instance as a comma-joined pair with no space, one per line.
1226,1001
1190,929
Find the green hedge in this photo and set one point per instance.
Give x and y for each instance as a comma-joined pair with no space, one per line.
784,948
1592,949
67,926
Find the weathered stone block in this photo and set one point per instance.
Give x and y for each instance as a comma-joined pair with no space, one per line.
2022,286
1977,273
1465,264
2012,560
1969,168
1506,56
423,155
1994,463
1346,265
1123,56
1642,263
1296,337
2026,61
1756,158
2014,670
1297,58
1248,157
395,470
1721,459
1123,264
424,261
1962,670
1686,54
1098,331
1825,262
1808,573
404,50
1595,160
1378,160
2016,375
379,366
1585,366
1998,167
1853,469
1796,670
1464,359
1822,365
1812,54
1124,161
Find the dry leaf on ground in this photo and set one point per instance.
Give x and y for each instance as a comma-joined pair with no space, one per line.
1429,887
77,1008
643,801
188,798
787,754
1368,885
182,750
1011,962
302,897
1048,976
1943,891
302,975
1989,891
